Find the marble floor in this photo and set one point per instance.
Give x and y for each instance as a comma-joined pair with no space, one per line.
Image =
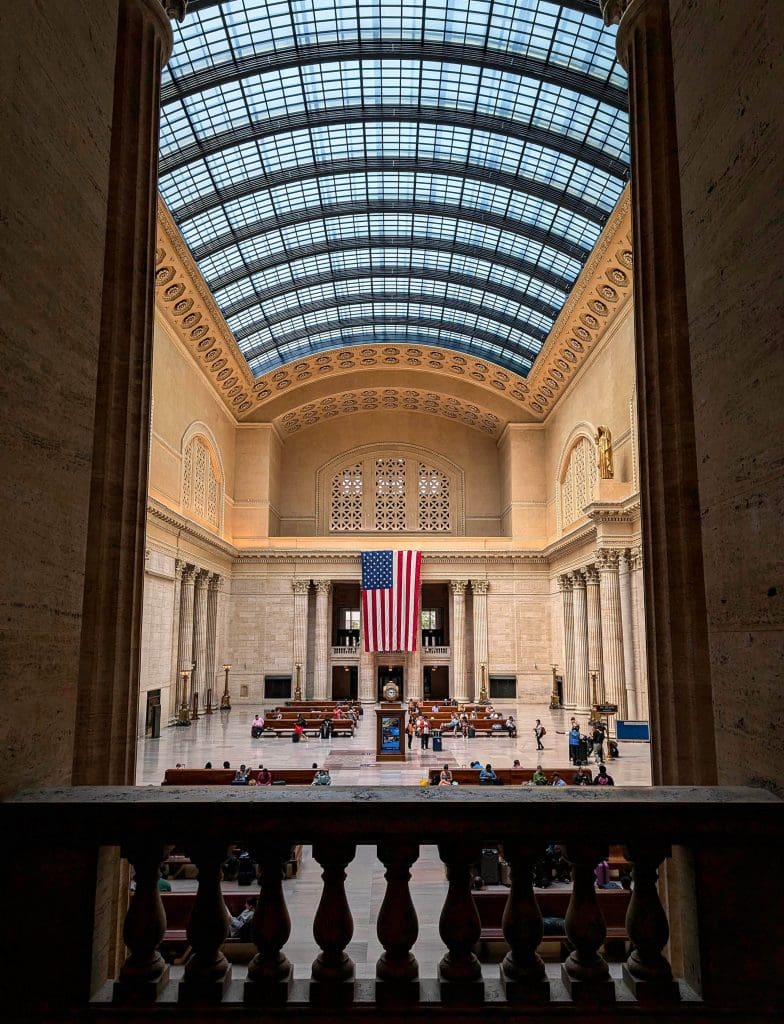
351,762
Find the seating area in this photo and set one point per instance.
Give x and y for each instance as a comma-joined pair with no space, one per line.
225,776
505,776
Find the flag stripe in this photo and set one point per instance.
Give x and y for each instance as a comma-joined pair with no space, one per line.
390,600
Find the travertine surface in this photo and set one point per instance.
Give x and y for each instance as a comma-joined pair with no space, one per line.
727,70
57,66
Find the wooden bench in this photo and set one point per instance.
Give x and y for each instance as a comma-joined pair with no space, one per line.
490,905
224,776
508,776
312,727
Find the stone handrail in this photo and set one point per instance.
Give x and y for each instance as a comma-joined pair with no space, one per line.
729,837
345,651
440,651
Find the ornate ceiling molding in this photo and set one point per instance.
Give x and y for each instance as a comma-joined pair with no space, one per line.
190,310
600,292
347,403
373,357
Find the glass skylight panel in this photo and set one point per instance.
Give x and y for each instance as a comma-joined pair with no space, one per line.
247,109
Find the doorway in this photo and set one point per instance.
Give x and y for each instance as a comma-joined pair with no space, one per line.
389,674
152,718
345,682
436,682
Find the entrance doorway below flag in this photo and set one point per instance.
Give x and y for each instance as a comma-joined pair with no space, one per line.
389,674
344,682
436,685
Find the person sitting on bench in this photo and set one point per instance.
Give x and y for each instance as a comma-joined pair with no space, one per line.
487,775
239,926
257,727
539,778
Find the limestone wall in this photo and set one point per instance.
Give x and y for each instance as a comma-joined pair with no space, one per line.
727,74
58,67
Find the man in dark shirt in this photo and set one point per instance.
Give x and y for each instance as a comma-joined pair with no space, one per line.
603,779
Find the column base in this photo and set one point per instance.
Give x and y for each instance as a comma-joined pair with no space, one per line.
534,991
600,990
461,993
332,993
397,993
140,990
208,990
652,993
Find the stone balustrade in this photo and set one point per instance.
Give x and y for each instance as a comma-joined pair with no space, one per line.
730,837
436,651
346,652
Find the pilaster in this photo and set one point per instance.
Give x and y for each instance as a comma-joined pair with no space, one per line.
481,652
174,674
569,694
594,609
614,678
200,635
321,684
582,683
214,584
683,738
301,590
459,688
627,623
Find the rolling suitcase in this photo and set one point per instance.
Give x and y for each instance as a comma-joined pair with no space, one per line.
438,745
471,732
582,752
489,867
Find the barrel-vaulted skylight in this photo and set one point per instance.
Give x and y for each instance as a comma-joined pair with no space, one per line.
432,173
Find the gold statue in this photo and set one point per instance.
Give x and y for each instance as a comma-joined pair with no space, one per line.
603,441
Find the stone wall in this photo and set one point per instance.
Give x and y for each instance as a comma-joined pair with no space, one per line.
57,63
727,72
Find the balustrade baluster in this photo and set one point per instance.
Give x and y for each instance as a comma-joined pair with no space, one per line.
585,972
207,972
333,926
397,971
270,972
523,972
647,973
460,972
144,974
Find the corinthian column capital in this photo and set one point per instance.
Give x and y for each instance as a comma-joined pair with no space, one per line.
564,582
300,586
578,580
607,559
323,586
458,587
480,586
592,576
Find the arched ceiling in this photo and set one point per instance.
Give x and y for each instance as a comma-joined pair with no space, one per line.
385,173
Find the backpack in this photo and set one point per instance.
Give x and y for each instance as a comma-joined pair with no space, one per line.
543,732
602,781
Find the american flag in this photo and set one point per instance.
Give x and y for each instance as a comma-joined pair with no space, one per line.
390,600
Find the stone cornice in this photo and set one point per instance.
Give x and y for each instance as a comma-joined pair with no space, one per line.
599,294
157,510
625,511
187,305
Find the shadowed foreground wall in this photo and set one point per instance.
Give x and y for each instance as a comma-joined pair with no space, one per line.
728,73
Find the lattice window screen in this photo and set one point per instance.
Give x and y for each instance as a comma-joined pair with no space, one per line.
346,500
433,509
579,483
200,484
390,503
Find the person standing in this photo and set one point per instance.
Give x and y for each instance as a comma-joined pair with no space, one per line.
425,734
539,731
597,737
574,744
410,730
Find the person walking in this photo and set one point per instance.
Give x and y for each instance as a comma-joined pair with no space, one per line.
539,731
425,734
410,730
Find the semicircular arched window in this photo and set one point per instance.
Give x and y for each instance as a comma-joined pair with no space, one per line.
578,483
201,482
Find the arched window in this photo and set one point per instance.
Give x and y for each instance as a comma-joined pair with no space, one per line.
578,483
390,491
201,481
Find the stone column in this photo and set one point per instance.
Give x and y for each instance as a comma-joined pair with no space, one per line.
185,649
595,660
582,682
213,588
614,678
638,615
627,623
569,694
480,588
108,685
414,683
321,684
459,688
367,675
683,748
199,635
301,589
179,568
